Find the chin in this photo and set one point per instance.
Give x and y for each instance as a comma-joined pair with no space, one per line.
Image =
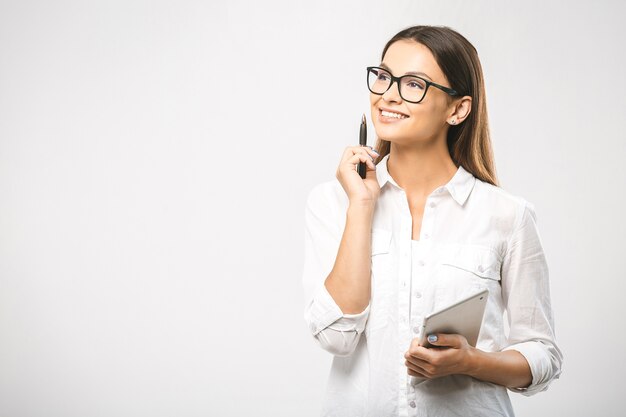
391,135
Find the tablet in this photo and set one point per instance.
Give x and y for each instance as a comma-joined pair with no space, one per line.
463,317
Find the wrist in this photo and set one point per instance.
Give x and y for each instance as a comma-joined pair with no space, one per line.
474,362
361,209
361,205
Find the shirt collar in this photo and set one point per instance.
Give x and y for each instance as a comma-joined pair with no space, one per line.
459,187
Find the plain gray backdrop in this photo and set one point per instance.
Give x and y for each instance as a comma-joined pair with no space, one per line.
155,158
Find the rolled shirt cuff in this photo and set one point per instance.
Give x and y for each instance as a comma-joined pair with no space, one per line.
538,359
325,313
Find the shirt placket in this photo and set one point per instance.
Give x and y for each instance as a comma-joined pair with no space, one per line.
411,292
404,288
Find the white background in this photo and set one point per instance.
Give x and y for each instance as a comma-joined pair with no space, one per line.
154,163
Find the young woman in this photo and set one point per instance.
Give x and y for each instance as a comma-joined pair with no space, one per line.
428,226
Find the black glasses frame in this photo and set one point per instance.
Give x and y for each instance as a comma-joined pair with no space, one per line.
398,80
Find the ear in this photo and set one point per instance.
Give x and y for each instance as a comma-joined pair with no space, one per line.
459,110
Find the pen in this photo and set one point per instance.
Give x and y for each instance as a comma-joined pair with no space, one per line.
362,142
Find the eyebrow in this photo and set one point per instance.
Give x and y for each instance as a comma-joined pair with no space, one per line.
382,65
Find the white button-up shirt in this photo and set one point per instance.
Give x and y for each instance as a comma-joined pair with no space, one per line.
473,236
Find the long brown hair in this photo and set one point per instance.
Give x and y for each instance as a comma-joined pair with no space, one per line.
469,142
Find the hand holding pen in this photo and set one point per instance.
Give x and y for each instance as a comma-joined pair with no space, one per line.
357,171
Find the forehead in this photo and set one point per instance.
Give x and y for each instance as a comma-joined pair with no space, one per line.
407,56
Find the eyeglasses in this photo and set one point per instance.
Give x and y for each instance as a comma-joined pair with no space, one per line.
411,87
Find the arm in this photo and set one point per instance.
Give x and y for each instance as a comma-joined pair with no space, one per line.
526,295
336,274
508,368
532,359
349,281
338,297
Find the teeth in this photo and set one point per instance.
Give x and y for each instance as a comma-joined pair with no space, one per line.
390,114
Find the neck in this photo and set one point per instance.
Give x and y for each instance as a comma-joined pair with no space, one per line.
420,170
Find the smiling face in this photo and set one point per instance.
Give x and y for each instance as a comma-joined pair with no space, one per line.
404,123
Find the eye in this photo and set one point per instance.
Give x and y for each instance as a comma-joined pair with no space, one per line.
382,76
414,84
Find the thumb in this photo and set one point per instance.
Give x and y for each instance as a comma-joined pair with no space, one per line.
441,339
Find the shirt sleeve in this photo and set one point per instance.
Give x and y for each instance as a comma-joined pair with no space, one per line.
526,294
336,332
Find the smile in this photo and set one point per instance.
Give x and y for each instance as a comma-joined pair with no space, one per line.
394,115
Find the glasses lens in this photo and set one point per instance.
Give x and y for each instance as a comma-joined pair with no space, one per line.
412,88
378,80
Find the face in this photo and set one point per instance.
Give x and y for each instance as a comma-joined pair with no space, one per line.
421,122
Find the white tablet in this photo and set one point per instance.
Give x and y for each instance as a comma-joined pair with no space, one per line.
463,317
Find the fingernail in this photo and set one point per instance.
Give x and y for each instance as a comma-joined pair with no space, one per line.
432,338
375,151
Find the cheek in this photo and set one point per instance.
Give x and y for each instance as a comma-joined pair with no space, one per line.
374,99
424,122
420,111
425,116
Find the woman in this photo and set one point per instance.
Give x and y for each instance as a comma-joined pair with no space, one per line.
426,227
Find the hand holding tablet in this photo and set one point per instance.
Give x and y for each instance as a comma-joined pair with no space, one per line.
463,317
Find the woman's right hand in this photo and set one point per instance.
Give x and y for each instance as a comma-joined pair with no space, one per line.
359,190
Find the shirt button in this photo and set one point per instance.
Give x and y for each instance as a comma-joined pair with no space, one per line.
416,330
418,294
432,204
412,404
421,262
426,235
480,268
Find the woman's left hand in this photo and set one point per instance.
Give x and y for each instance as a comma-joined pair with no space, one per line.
451,354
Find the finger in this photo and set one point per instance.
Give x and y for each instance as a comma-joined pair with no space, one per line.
420,352
413,373
448,340
364,150
415,342
351,151
422,364
372,151
417,370
361,157
417,374
358,158
367,149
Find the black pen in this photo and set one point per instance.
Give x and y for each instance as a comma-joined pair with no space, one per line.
363,142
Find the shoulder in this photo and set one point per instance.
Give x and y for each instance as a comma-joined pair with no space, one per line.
500,194
503,203
326,208
327,195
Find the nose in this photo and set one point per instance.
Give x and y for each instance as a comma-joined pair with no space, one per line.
393,93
